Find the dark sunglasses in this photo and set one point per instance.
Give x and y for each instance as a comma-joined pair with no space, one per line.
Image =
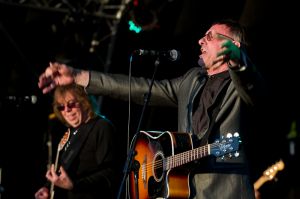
70,105
209,36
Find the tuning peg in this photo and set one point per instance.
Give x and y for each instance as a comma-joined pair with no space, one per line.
236,134
236,154
229,135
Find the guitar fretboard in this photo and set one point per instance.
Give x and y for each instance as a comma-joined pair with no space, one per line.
186,157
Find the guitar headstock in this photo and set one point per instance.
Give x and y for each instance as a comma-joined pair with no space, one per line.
226,146
271,172
64,140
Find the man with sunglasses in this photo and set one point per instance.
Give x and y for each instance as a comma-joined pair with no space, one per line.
85,165
217,98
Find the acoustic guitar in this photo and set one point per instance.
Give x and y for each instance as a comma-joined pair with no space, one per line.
161,159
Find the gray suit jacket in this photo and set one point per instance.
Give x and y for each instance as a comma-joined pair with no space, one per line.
226,178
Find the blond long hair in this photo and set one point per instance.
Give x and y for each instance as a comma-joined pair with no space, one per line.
80,96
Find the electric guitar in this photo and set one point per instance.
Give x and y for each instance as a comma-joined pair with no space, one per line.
60,146
269,174
160,167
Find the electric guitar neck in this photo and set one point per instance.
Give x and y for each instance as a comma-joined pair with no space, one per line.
269,174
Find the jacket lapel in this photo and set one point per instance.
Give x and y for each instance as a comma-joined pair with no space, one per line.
76,143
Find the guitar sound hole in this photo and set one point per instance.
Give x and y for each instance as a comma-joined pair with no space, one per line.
158,167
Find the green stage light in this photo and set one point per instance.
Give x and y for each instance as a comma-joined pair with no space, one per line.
134,27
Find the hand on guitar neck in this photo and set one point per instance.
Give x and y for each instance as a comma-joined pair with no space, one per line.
53,174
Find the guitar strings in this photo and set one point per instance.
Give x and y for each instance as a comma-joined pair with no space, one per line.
178,159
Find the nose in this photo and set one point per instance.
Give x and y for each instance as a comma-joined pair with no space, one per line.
201,41
68,109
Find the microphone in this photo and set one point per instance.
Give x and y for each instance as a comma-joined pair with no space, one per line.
32,99
172,55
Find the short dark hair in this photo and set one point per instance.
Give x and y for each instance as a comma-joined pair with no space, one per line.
237,30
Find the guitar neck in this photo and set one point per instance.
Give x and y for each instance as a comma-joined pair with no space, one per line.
186,157
55,168
258,183
269,174
218,148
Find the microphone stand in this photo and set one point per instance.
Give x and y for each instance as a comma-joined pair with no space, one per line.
131,165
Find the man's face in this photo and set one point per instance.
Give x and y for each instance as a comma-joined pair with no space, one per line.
211,45
70,109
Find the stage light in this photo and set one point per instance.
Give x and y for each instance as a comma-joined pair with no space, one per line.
133,27
142,18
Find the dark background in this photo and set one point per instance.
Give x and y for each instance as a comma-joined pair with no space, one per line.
33,33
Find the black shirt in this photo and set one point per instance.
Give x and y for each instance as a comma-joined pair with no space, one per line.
203,111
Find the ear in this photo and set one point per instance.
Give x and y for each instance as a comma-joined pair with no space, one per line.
237,43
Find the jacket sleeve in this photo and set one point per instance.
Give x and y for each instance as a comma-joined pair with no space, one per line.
118,86
248,82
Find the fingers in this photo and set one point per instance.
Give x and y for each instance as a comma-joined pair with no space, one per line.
47,79
52,168
231,50
62,170
65,181
51,174
62,173
42,193
220,59
49,88
225,53
54,75
43,80
49,71
52,70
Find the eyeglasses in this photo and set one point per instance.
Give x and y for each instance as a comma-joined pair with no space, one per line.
70,105
209,36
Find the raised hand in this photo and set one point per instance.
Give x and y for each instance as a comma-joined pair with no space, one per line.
230,51
55,74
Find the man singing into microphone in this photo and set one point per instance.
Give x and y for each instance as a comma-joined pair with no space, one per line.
212,99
